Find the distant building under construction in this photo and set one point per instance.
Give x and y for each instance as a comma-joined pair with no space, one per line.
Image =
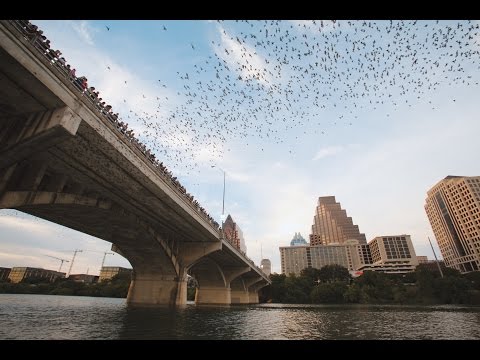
108,272
18,274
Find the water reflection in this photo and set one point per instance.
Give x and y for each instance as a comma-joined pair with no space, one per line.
65,317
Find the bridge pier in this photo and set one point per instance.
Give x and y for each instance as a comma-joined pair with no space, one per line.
240,297
253,297
212,295
156,289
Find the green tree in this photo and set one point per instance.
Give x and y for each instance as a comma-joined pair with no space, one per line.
474,278
353,294
35,280
311,274
329,293
278,287
376,287
332,273
452,290
425,289
447,271
295,290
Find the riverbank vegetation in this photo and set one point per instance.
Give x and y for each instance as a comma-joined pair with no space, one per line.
333,284
116,287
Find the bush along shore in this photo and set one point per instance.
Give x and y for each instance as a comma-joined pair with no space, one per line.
333,284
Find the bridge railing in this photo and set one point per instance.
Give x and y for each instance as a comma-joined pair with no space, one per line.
35,37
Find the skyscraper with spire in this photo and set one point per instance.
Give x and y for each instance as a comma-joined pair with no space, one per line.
234,234
331,225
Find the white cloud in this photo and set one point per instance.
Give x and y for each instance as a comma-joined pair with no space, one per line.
26,240
84,30
328,151
242,58
238,176
27,225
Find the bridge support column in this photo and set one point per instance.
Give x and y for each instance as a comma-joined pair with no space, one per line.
210,295
240,297
253,297
155,289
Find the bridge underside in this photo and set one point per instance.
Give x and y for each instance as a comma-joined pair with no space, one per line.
62,161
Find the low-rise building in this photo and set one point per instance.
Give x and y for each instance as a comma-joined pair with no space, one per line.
389,254
84,278
422,259
358,254
392,254
433,265
108,272
4,272
18,274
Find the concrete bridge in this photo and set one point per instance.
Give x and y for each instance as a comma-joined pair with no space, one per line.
63,160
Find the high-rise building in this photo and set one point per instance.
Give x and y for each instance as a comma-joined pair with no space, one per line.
298,240
266,266
234,234
392,254
358,254
108,272
331,225
453,209
18,274
296,258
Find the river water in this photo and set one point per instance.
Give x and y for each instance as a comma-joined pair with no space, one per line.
75,317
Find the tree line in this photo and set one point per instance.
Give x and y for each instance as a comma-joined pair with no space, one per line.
332,284
116,287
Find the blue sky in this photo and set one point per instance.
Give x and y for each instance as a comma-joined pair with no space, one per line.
374,113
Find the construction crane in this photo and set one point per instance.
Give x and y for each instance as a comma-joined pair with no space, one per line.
61,263
105,253
104,256
73,259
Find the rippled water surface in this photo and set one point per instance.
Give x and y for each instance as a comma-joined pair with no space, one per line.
71,317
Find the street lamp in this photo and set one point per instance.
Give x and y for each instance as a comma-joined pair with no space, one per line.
223,200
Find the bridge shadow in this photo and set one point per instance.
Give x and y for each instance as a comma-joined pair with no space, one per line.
185,322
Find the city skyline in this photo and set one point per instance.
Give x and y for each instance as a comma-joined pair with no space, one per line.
378,163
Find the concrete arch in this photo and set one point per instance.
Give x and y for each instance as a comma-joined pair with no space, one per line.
158,277
238,284
208,273
213,286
